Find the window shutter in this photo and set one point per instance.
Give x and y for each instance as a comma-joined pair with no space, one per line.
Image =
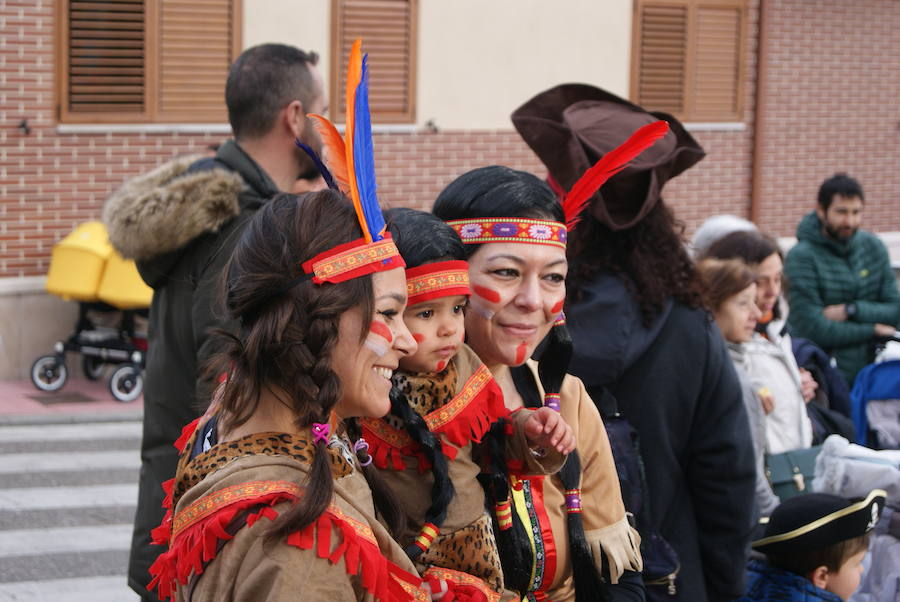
105,57
388,31
716,90
195,50
662,66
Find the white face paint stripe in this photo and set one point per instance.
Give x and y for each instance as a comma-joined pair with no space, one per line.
377,348
480,309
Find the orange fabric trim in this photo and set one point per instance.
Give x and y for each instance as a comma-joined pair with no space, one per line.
434,280
353,259
217,500
446,413
458,578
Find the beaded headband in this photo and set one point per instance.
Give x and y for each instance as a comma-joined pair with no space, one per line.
439,279
510,229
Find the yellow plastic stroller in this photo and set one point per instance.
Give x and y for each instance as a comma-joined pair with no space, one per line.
85,268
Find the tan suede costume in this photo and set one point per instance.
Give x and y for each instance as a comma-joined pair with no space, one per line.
466,541
225,499
540,503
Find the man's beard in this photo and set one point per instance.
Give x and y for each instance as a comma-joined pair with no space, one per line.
841,234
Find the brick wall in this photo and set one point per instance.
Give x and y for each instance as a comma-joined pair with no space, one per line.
834,85
832,106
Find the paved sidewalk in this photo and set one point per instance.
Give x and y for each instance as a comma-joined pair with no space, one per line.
78,401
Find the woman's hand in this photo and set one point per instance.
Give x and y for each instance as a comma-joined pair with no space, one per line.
808,385
546,428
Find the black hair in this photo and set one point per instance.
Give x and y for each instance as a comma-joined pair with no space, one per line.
650,258
262,81
497,191
839,184
422,237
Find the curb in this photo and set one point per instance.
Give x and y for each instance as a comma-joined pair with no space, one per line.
72,418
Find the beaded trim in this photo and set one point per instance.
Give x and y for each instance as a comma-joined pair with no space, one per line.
510,229
353,259
440,279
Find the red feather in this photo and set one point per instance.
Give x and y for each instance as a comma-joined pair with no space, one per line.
609,165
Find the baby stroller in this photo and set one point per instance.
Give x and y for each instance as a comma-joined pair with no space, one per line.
85,268
875,401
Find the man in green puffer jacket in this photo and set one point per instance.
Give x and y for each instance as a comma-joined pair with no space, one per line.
841,288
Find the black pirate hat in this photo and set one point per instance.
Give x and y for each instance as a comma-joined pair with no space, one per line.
570,127
818,520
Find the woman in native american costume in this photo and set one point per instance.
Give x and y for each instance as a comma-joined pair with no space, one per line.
566,536
272,499
443,402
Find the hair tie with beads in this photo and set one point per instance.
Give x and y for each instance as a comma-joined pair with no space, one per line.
427,535
503,510
551,400
321,432
573,501
560,319
362,447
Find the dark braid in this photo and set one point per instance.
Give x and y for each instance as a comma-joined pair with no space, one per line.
442,490
512,543
589,586
386,504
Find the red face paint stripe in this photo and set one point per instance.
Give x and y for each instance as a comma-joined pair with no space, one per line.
441,365
381,329
558,307
418,337
486,293
521,350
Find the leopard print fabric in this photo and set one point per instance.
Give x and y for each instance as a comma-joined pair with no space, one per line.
427,392
191,472
470,550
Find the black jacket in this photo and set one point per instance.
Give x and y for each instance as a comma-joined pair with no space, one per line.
180,223
675,383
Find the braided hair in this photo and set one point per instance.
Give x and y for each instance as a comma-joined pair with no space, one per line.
422,238
286,333
497,191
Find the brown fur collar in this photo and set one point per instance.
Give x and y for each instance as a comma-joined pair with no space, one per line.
163,210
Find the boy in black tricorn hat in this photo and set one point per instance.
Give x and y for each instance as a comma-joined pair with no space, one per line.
814,546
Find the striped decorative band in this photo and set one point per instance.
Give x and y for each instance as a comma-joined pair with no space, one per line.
440,279
354,259
510,229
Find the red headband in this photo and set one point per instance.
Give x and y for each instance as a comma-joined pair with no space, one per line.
354,259
440,279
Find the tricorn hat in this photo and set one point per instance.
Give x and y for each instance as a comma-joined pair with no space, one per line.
817,520
572,126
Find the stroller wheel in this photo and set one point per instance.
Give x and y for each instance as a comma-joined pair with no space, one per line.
49,373
127,383
92,367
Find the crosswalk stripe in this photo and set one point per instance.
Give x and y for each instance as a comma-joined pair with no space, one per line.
82,589
32,542
43,462
40,498
70,432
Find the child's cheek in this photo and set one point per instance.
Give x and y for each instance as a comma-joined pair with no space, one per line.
419,338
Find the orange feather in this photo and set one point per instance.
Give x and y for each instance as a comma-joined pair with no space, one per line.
354,75
336,153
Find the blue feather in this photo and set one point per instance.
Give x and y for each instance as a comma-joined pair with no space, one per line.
326,175
363,156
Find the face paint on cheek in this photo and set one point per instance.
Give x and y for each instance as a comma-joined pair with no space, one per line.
381,329
487,294
481,309
558,307
441,365
418,337
521,350
378,334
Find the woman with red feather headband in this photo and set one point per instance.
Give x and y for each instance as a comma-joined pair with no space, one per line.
566,536
272,498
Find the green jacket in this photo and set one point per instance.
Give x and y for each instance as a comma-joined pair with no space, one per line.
821,272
